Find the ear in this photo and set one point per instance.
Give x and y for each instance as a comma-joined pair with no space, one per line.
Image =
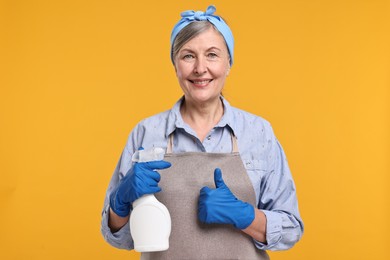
228,67
174,66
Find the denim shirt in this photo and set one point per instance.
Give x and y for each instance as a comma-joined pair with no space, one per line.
262,155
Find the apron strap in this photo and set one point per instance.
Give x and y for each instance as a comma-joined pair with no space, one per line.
233,137
234,143
170,144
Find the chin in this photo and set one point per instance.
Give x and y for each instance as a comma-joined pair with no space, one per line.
204,98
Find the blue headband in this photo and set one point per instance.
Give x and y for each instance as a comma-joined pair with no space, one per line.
188,17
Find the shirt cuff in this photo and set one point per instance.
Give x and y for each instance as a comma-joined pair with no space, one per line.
274,230
121,239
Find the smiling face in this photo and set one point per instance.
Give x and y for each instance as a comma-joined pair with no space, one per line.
202,65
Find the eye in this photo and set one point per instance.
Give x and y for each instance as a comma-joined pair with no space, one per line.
212,55
188,56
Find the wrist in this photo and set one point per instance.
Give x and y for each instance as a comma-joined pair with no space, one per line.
257,229
116,222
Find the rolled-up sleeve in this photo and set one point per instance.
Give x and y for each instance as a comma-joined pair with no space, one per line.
278,201
121,239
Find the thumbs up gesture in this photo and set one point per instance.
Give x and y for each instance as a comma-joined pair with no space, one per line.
220,206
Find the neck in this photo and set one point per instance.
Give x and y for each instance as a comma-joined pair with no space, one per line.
202,117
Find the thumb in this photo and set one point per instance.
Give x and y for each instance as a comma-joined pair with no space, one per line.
158,165
218,178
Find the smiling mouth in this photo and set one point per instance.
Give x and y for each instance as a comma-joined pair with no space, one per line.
201,83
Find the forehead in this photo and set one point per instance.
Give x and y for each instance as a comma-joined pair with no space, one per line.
207,39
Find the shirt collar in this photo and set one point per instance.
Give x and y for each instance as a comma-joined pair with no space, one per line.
175,119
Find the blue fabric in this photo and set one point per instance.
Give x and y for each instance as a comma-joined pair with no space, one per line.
140,180
188,17
262,155
220,206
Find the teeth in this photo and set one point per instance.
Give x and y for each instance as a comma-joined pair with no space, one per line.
201,82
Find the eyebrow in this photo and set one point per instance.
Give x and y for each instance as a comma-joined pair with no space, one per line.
209,49
213,47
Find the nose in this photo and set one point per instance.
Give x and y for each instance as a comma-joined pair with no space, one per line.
200,66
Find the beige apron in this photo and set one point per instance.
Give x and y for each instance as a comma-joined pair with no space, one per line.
181,184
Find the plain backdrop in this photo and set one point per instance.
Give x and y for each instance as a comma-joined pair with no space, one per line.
76,77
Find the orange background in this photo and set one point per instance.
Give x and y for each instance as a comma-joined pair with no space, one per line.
76,76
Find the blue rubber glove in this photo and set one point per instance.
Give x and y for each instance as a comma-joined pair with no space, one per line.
222,207
140,180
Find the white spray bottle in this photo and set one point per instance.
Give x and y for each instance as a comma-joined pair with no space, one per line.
150,222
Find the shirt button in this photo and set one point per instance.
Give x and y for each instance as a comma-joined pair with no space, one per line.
209,137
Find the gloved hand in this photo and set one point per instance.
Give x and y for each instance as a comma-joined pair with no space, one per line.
222,207
140,180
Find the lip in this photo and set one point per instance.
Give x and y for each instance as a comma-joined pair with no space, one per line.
200,82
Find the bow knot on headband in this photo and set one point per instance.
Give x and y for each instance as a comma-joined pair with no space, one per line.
198,15
188,17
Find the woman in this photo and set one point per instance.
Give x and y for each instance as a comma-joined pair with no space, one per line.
224,179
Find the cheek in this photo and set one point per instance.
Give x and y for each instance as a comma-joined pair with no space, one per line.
178,72
223,71
183,71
